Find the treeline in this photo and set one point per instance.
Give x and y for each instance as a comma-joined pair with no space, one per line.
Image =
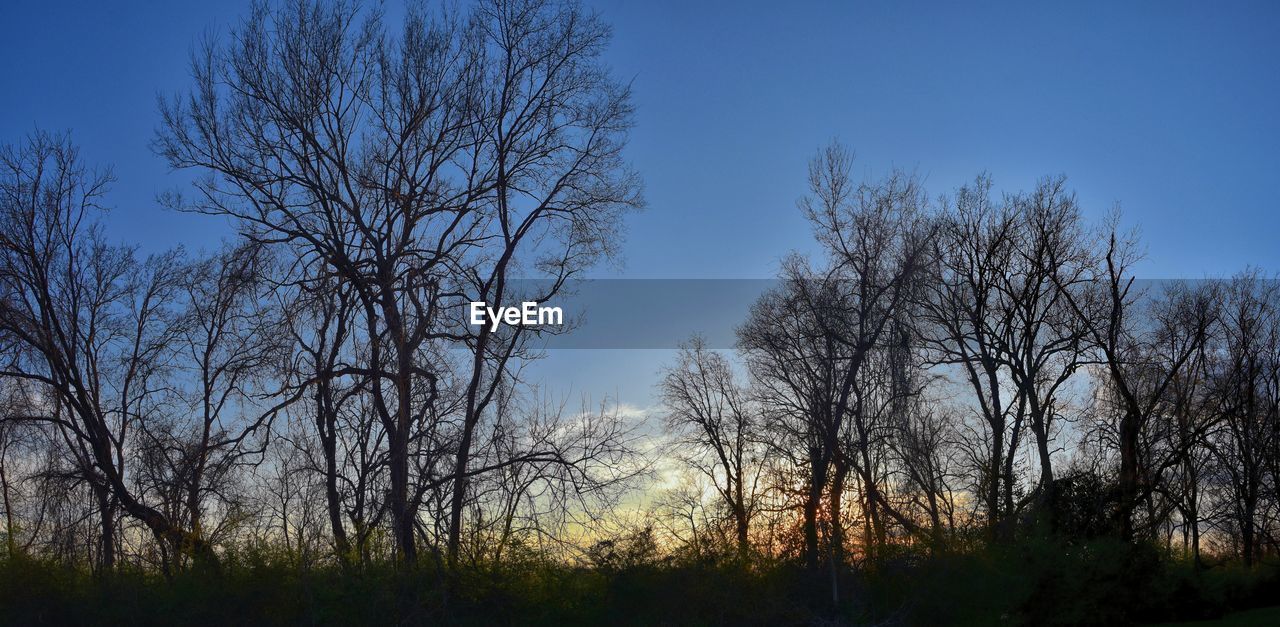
316,384
975,370
973,376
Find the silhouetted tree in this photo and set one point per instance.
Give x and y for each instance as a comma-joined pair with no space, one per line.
713,417
84,322
421,171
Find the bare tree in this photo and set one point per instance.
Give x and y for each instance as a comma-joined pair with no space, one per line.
1142,356
319,320
1249,405
229,345
85,319
924,443
876,237
965,331
1047,341
421,171
794,369
822,346
711,416
1177,441
554,123
997,314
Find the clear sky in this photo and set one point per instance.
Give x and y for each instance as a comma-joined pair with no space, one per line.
1170,109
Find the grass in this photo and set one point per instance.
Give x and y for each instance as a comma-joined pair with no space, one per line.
1260,616
1043,582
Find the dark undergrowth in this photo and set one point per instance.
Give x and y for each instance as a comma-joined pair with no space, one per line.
1031,583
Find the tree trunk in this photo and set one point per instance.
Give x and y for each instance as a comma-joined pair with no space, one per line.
11,543
994,472
1128,480
1248,532
107,521
401,518
813,500
402,511
835,511
328,440
1045,496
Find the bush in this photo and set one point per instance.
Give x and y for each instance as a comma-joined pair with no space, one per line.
1037,581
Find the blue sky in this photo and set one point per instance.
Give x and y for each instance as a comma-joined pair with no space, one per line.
1170,109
